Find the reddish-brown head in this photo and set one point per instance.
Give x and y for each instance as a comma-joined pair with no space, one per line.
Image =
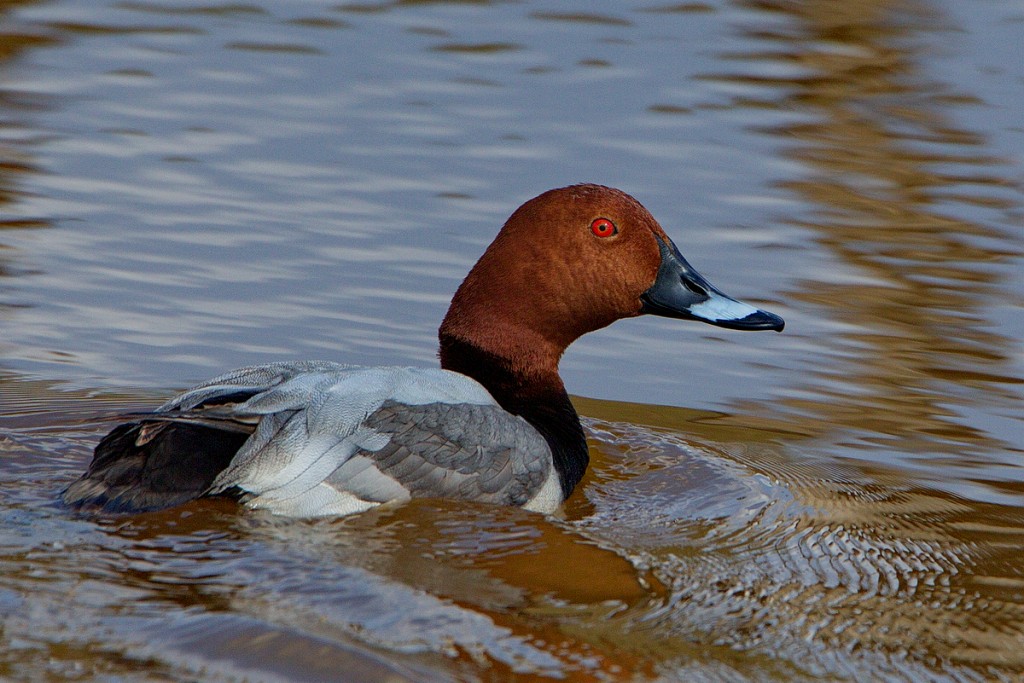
567,262
572,261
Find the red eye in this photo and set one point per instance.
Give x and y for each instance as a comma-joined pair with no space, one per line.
602,227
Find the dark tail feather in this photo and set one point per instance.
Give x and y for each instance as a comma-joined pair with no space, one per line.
153,464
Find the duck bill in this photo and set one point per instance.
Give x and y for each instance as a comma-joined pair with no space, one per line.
681,292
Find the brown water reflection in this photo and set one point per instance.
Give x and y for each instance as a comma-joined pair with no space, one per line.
889,174
715,557
849,568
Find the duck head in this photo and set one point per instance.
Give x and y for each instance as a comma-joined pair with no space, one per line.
574,260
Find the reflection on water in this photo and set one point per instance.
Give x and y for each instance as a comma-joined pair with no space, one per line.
891,181
185,188
715,557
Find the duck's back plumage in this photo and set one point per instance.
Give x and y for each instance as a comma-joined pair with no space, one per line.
318,438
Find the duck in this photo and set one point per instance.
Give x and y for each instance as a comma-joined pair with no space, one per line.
493,424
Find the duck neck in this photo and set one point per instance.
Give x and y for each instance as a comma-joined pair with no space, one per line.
533,392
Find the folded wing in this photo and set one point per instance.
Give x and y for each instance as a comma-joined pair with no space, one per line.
316,438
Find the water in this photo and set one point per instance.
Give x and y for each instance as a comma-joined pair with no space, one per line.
186,188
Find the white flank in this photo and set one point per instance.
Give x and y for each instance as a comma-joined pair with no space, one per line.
549,497
312,424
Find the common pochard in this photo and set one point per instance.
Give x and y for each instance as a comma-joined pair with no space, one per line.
493,424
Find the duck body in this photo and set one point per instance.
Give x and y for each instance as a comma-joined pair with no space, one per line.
321,438
493,424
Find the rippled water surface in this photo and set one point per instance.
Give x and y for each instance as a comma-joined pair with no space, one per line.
190,187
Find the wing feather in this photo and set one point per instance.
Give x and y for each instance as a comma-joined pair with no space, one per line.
450,450
313,438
